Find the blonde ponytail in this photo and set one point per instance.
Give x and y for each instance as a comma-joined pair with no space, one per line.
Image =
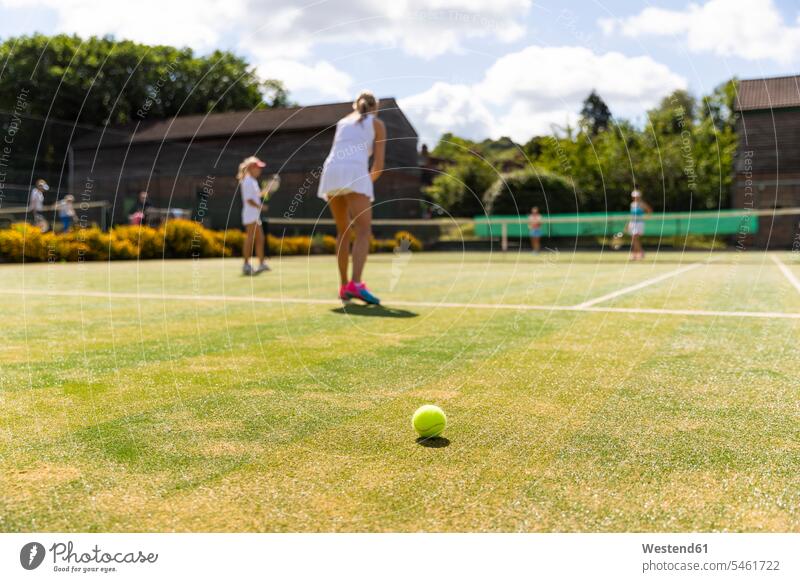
242,171
364,103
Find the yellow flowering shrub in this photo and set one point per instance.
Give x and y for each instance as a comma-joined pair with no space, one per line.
177,239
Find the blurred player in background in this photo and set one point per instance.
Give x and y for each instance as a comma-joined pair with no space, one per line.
535,229
36,205
143,206
636,225
346,184
249,171
66,212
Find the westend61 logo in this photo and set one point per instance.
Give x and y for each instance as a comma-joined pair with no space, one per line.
67,559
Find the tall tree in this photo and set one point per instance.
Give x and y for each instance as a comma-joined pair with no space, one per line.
681,158
595,114
719,106
56,86
101,80
674,114
473,168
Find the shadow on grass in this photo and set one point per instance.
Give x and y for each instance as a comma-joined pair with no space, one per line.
434,442
373,311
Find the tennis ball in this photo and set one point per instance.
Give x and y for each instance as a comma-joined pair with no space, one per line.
429,421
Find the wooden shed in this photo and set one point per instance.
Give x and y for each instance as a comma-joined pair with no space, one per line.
190,162
767,166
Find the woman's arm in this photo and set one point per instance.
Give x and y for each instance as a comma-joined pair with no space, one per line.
378,150
647,208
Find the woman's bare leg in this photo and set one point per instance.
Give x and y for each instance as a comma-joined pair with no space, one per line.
339,209
247,249
259,239
361,211
636,246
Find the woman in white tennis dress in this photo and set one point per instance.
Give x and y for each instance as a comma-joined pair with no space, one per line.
346,184
636,225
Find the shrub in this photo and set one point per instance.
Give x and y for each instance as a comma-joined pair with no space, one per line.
232,240
517,192
329,244
293,245
177,239
147,242
381,245
11,244
97,243
413,244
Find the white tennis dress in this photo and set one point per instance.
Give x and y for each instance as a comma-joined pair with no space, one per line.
636,224
346,169
249,190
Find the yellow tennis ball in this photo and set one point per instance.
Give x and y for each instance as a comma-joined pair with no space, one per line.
429,421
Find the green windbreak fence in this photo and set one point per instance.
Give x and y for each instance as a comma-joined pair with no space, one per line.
722,222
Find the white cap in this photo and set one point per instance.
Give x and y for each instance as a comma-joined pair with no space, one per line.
636,194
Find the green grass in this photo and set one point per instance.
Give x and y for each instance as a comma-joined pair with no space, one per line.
118,414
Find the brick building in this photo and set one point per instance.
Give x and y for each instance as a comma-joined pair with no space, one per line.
767,166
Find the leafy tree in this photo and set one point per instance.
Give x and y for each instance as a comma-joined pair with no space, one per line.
675,112
517,192
69,83
472,169
681,159
595,114
719,106
101,80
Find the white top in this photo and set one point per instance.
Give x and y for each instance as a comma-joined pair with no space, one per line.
347,166
250,190
353,141
37,200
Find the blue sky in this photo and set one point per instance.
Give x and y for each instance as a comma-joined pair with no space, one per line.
477,68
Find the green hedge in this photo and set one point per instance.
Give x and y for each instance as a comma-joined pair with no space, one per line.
517,192
177,239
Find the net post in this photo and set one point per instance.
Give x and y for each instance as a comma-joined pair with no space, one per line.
504,236
104,217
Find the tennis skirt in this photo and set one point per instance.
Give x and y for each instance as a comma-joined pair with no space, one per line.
636,228
340,177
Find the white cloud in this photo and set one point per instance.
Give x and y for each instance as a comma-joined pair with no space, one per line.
321,78
448,107
750,29
276,28
195,23
282,38
425,28
523,93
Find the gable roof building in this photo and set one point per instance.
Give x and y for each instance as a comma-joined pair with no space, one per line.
176,160
771,93
767,166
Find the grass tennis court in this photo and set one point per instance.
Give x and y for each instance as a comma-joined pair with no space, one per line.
215,402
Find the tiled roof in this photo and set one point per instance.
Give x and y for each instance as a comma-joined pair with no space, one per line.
226,124
775,93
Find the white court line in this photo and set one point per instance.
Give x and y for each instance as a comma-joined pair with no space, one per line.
642,285
433,304
786,272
